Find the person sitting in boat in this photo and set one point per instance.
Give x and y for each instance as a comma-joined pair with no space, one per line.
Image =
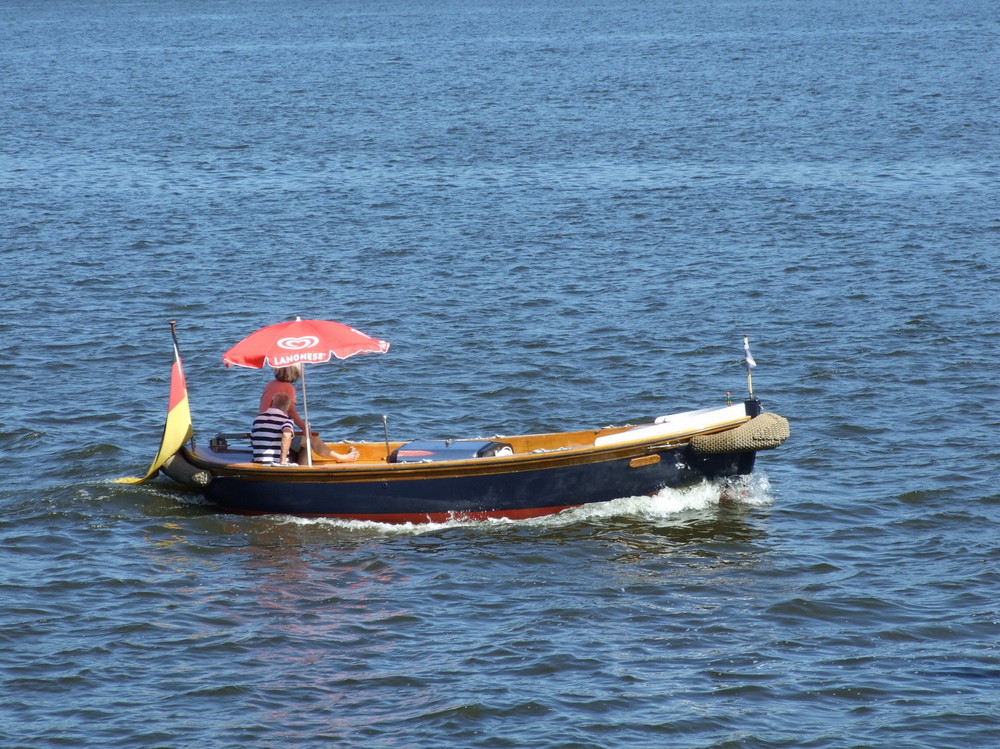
284,382
271,433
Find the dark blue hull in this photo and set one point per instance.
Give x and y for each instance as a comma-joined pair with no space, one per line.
516,489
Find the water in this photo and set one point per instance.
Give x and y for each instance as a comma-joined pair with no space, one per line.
560,215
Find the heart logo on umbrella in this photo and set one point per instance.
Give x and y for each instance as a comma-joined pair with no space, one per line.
297,344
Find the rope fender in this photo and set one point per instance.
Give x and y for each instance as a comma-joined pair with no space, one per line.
177,468
764,432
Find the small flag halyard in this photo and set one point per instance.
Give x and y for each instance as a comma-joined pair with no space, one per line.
178,429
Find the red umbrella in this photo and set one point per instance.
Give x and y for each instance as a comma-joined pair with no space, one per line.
301,342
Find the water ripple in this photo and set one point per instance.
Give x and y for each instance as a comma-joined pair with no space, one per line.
560,216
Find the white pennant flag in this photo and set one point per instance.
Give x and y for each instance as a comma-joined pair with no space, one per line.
747,356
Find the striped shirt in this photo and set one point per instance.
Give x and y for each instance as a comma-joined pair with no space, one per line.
265,435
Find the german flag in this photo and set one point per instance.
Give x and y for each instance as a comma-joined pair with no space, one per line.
178,429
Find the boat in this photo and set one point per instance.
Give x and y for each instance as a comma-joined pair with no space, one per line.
501,476
514,477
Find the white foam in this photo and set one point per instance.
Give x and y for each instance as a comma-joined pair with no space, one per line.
664,506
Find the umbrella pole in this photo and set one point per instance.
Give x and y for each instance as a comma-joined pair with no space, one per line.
307,438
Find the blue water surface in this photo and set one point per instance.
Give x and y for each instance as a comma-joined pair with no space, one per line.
561,215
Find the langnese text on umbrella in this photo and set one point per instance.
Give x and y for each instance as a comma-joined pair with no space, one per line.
284,361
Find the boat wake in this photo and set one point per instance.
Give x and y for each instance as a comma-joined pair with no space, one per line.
667,504
665,507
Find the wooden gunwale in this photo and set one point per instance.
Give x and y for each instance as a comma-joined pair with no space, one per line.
539,458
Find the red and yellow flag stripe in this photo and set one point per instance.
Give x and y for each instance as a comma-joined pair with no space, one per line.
178,428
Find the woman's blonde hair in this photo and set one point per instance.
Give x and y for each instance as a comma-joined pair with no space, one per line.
288,374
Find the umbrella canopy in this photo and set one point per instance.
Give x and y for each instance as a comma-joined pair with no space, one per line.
301,342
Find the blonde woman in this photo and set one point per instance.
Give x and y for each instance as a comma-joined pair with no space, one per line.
284,382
